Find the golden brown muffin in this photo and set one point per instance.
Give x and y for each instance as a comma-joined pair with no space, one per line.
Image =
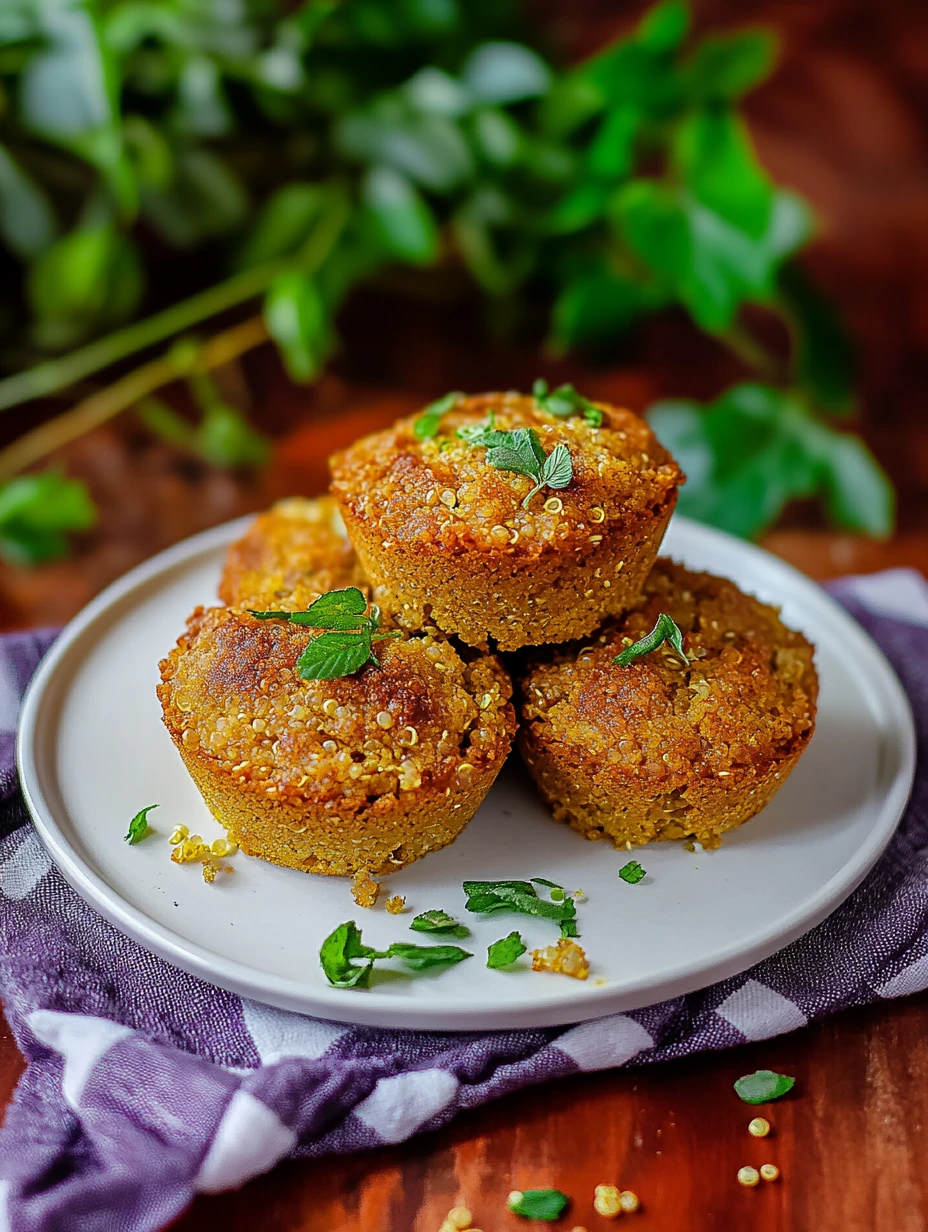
659,749
289,556
444,536
368,771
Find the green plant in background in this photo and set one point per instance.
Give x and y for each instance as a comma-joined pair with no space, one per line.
288,152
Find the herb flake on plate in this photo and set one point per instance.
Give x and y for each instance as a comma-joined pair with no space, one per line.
632,872
763,1086
438,921
138,826
665,630
491,897
504,952
347,962
348,643
545,1204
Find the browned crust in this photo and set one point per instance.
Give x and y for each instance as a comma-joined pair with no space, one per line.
659,751
443,536
367,771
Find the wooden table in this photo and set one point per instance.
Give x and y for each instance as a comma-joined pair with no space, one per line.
851,1143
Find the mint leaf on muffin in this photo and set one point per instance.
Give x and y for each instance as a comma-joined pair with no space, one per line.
490,897
504,952
428,423
138,826
521,452
438,921
348,643
564,402
347,962
666,630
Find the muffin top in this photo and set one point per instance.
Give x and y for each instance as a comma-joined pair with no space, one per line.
289,556
744,700
425,717
441,490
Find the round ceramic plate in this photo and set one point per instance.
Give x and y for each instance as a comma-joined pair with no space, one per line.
93,751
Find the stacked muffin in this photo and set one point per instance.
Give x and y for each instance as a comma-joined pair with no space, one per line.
348,708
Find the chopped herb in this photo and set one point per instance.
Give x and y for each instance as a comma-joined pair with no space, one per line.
546,1204
504,952
347,645
490,897
632,872
428,423
437,921
342,949
763,1086
138,826
521,452
482,433
564,402
666,630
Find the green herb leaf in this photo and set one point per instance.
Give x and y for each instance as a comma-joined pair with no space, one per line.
329,611
400,217
438,921
558,469
545,1204
666,630
763,1086
36,514
505,951
298,320
521,452
521,897
344,946
138,826
332,655
428,423
484,433
632,872
564,402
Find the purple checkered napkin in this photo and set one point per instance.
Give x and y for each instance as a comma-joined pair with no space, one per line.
146,1086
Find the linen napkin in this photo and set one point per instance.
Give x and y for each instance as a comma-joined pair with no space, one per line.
145,1085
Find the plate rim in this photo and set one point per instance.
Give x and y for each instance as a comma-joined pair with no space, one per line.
388,1010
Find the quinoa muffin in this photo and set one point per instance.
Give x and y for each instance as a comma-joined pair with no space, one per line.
289,556
666,750
368,771
446,537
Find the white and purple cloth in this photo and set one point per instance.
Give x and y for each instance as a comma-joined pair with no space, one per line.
146,1086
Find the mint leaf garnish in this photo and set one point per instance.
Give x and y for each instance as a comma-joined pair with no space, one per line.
546,1204
437,921
428,423
348,643
138,826
666,630
520,451
564,402
347,962
632,872
505,951
492,897
763,1086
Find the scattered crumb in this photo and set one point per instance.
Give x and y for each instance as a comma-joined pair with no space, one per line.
689,846
364,889
190,850
606,1201
395,905
212,866
177,835
599,982
457,1219
565,958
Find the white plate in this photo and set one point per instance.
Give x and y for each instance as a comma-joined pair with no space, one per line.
93,751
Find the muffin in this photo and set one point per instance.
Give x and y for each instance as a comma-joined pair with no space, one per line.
663,749
367,771
446,536
289,556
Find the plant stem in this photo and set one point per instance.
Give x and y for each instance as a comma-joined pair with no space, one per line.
134,386
751,352
55,374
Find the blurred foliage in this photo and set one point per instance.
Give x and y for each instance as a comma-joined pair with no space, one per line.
424,133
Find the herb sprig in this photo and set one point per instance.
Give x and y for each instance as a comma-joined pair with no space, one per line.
428,423
564,402
521,452
349,643
491,897
666,630
347,962
138,826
